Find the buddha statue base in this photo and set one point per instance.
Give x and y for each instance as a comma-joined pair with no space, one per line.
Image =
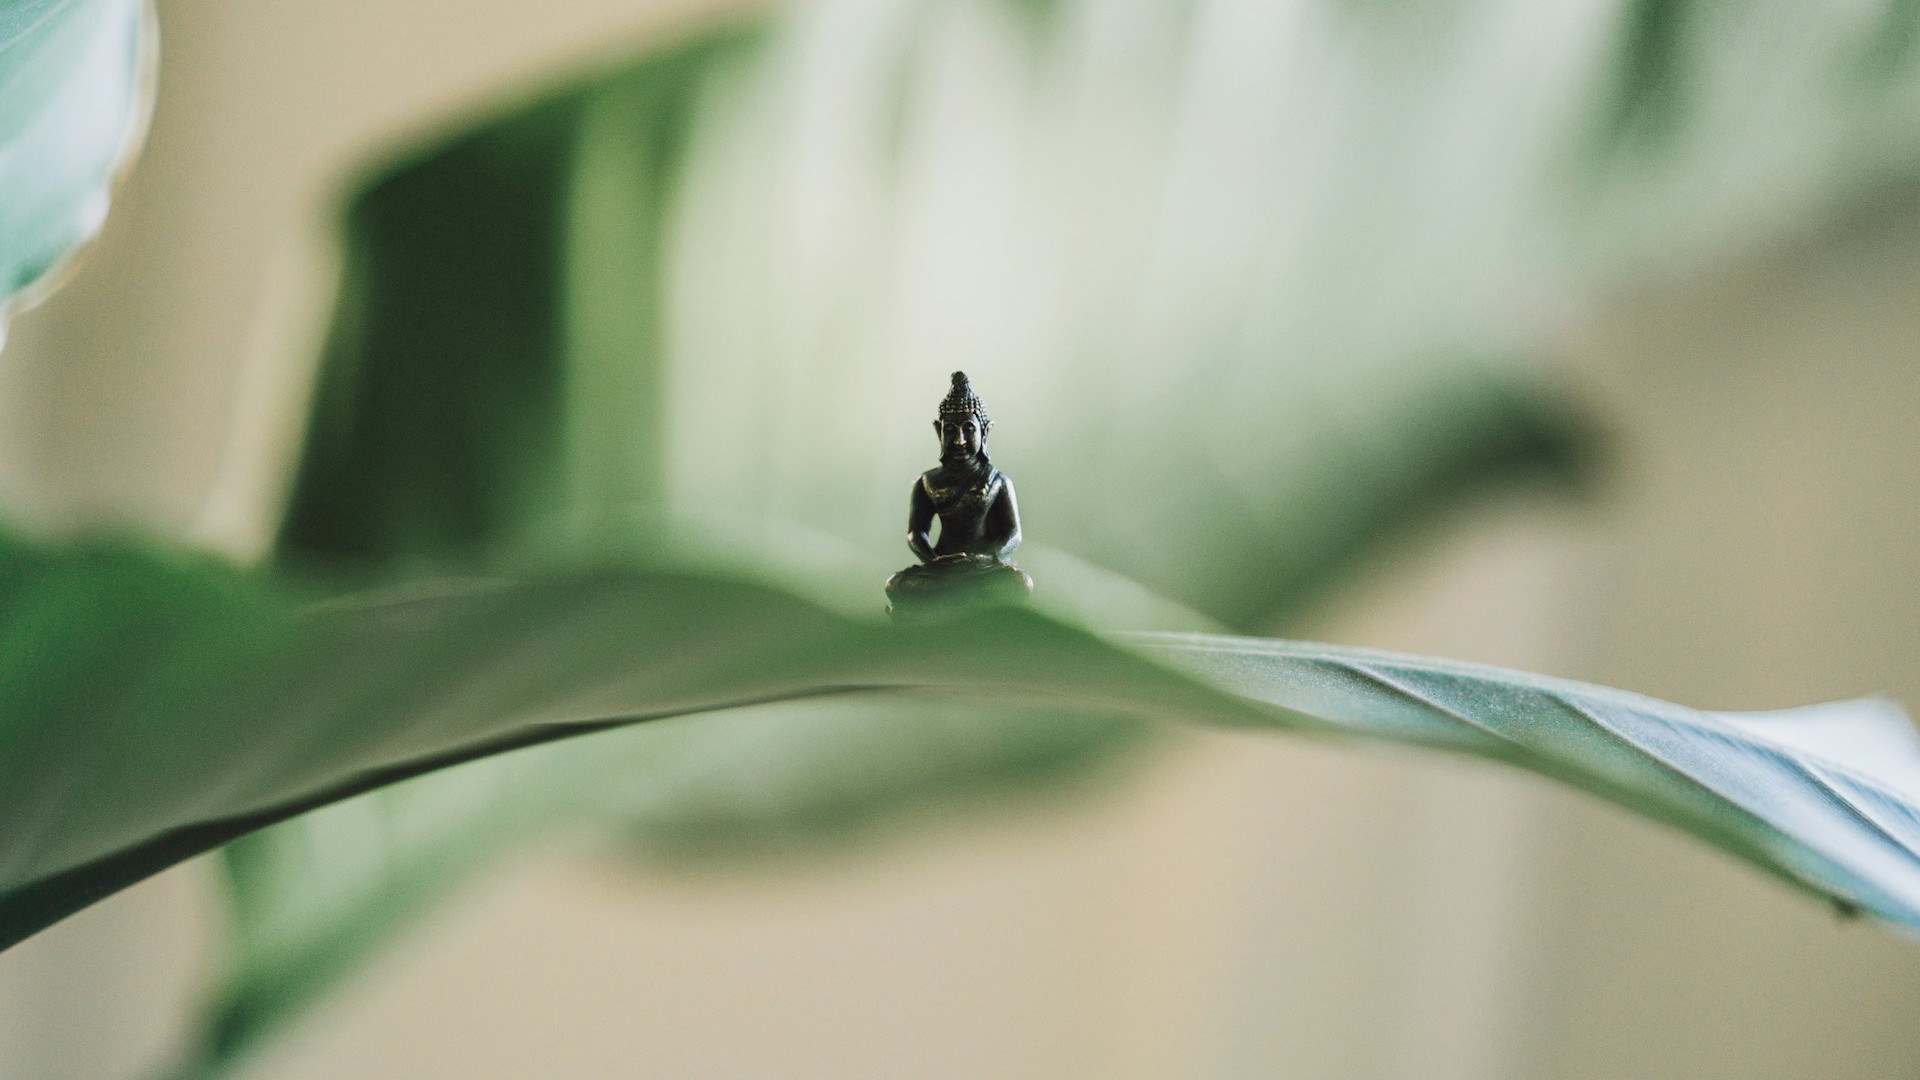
954,584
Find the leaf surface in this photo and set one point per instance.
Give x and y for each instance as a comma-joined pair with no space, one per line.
75,90
451,676
461,674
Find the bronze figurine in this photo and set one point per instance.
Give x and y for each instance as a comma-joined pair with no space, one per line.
979,519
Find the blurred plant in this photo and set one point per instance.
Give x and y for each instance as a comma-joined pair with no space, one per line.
623,389
76,88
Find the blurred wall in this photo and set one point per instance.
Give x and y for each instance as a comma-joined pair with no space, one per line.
1757,552
1246,907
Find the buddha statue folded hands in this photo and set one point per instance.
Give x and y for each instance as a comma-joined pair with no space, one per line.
979,520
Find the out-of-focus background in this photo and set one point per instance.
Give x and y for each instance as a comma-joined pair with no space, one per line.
1237,905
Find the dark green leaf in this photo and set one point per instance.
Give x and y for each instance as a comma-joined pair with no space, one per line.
1653,71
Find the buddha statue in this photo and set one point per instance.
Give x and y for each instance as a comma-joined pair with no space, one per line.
979,522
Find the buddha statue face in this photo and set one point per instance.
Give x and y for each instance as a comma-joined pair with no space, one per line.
962,436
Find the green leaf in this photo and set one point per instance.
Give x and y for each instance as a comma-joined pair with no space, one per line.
134,689
131,690
1654,71
75,91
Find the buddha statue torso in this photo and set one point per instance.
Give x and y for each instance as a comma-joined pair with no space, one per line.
962,501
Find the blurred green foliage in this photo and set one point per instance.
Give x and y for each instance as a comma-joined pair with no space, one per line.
73,105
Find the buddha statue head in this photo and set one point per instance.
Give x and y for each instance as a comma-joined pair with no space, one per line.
963,425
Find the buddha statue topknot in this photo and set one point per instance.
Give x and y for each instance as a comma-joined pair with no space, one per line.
979,520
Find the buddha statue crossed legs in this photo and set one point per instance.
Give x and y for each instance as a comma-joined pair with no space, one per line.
979,521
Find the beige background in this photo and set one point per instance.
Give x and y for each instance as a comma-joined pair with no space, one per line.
1246,906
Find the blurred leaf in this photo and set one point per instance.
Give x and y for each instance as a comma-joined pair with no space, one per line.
75,88
1215,265
683,296
492,371
1890,46
1654,72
